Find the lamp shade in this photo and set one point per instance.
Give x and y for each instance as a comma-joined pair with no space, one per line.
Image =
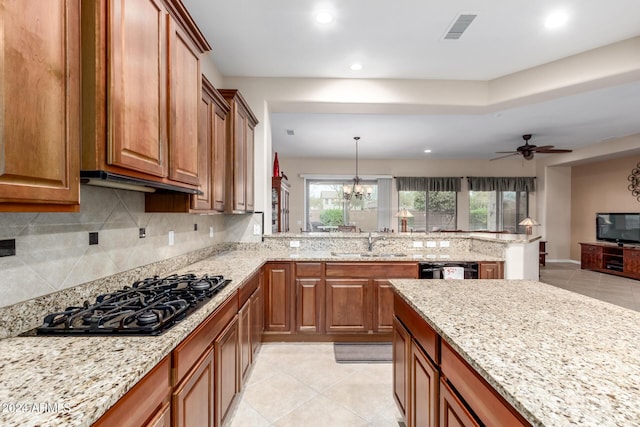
404,213
528,221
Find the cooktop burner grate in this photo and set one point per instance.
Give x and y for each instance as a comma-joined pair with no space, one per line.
147,307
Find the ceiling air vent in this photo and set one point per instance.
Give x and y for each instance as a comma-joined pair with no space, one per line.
459,26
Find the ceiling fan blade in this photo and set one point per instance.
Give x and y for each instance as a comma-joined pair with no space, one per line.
515,153
504,152
542,148
554,150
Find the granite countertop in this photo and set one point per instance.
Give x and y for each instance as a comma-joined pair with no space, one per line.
413,255
68,381
560,358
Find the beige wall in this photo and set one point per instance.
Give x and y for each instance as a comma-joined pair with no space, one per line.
599,187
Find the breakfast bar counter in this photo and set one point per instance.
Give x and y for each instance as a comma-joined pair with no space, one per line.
559,358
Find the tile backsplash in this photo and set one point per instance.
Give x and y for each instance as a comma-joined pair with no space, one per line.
53,251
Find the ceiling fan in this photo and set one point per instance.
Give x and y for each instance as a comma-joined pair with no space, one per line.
527,151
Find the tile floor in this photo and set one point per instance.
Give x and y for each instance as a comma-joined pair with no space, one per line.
301,385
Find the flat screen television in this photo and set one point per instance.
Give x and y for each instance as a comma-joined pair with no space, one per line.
618,227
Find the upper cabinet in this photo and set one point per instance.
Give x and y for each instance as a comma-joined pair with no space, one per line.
40,105
141,91
240,134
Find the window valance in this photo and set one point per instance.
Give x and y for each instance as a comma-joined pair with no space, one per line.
509,183
423,183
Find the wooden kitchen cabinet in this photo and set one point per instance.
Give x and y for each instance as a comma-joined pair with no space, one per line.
211,161
278,297
383,305
348,305
240,136
309,291
453,412
141,90
424,384
401,380
145,404
279,205
40,106
257,316
491,270
227,372
193,398
611,259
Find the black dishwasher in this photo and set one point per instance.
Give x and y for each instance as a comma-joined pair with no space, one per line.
435,270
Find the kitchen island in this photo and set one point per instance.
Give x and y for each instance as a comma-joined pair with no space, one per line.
557,357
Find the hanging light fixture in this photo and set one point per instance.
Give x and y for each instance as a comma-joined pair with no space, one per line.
357,190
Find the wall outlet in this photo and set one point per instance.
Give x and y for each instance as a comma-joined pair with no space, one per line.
7,247
195,227
93,238
444,244
142,232
417,243
294,244
431,244
172,236
257,230
210,231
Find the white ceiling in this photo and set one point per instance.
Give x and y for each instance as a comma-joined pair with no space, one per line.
404,40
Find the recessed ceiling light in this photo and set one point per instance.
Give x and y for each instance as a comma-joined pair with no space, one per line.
556,20
356,67
324,17
427,151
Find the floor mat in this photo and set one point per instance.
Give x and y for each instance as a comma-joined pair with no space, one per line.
365,352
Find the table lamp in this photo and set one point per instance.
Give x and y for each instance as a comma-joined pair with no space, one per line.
403,215
528,222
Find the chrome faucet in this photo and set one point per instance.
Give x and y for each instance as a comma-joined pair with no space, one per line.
371,241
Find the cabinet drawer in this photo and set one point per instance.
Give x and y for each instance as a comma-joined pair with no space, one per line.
422,333
188,351
491,408
591,249
308,269
248,289
396,270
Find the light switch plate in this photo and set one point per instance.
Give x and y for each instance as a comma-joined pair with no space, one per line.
417,243
444,244
210,231
294,244
172,236
431,244
256,229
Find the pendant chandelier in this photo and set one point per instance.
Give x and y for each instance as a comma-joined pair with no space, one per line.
357,190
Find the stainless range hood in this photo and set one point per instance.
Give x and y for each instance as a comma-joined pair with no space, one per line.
111,180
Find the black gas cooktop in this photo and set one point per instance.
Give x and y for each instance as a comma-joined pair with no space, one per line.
148,307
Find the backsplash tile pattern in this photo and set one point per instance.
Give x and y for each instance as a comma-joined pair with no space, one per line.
53,252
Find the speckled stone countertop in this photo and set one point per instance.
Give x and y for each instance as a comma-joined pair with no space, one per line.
72,381
560,358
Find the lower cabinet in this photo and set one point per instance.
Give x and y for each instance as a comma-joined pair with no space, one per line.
434,386
226,373
278,297
491,270
192,399
383,305
347,305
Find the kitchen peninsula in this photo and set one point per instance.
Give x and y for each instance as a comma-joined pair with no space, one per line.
557,357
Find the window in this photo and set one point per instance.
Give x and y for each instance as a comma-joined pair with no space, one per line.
431,210
499,203
326,208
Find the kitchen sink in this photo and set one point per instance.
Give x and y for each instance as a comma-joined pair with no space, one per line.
366,255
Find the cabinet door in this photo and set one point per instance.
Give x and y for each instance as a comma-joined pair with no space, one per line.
244,332
40,105
309,302
239,159
226,374
401,352
257,319
453,413
347,305
219,149
278,297
383,306
249,175
591,257
423,408
631,261
137,137
205,154
162,418
193,398
490,270
185,78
